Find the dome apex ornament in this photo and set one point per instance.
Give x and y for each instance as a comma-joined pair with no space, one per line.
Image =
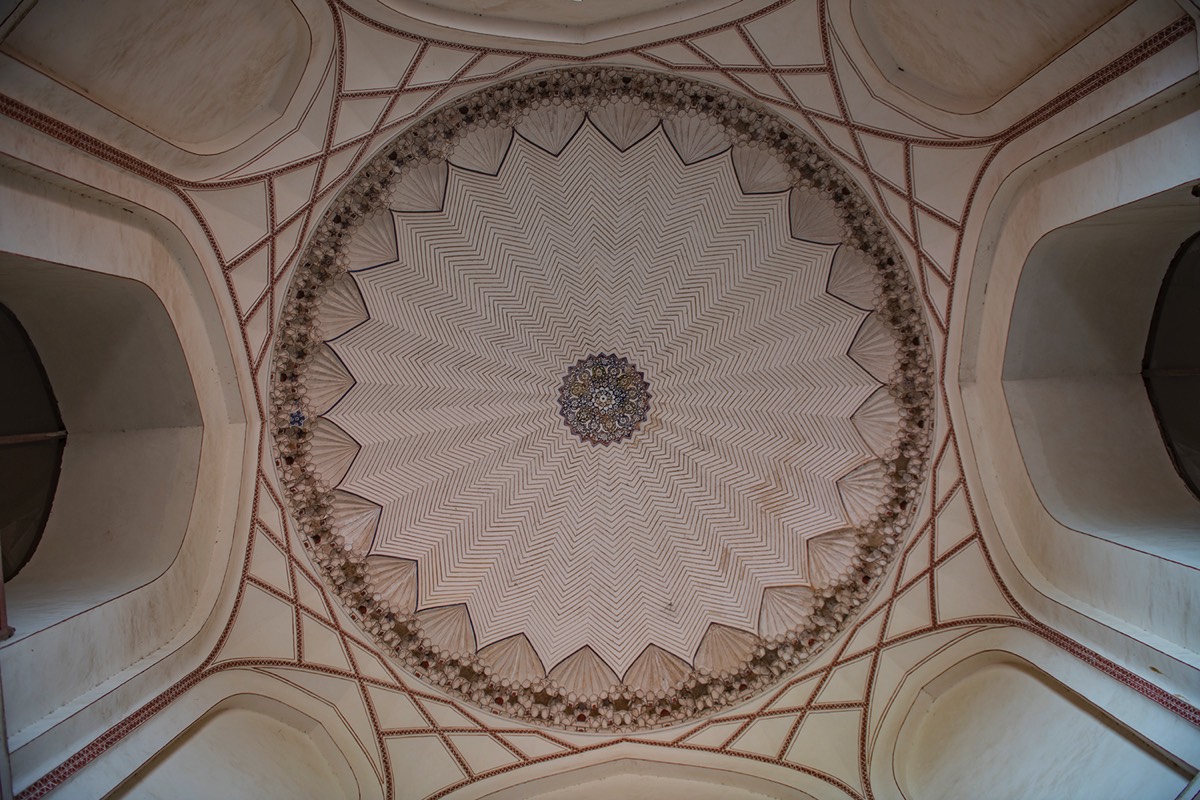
760,293
604,399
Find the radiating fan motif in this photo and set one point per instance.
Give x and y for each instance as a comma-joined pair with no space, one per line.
421,189
725,649
874,349
394,581
759,171
830,556
551,127
375,242
862,491
584,673
327,380
355,519
852,279
814,218
877,421
333,450
623,122
449,628
784,608
342,306
513,658
695,138
656,670
483,150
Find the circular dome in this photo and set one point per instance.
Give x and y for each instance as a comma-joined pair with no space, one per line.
602,399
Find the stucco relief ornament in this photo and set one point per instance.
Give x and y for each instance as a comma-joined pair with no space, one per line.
604,399
381,594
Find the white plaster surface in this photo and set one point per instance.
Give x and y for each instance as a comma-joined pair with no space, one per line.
132,56
639,778
647,787
249,746
117,523
989,729
560,12
1095,453
577,21
968,55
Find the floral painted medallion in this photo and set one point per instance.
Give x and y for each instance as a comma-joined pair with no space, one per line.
604,399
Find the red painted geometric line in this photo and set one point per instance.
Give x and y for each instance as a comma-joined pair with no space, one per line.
1114,69
102,743
92,146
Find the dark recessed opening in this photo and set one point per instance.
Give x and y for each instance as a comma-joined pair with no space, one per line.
32,438
1171,368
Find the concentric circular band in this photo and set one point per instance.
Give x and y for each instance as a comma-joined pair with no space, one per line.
297,422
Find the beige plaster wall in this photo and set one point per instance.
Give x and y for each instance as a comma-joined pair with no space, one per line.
245,746
132,56
992,727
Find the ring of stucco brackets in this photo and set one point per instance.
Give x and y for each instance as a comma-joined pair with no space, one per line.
796,622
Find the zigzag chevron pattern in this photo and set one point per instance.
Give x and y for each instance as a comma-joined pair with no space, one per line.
703,287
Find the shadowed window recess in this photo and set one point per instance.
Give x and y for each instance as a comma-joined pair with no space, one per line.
31,446
1172,366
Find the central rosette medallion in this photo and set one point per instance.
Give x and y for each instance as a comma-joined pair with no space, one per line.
604,399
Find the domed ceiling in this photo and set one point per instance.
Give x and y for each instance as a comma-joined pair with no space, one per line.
576,387
602,389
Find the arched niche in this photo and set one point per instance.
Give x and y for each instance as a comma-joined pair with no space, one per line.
1171,368
1055,486
1052,682
644,777
126,323
128,480
994,725
247,745
1072,376
32,437
578,24
244,697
